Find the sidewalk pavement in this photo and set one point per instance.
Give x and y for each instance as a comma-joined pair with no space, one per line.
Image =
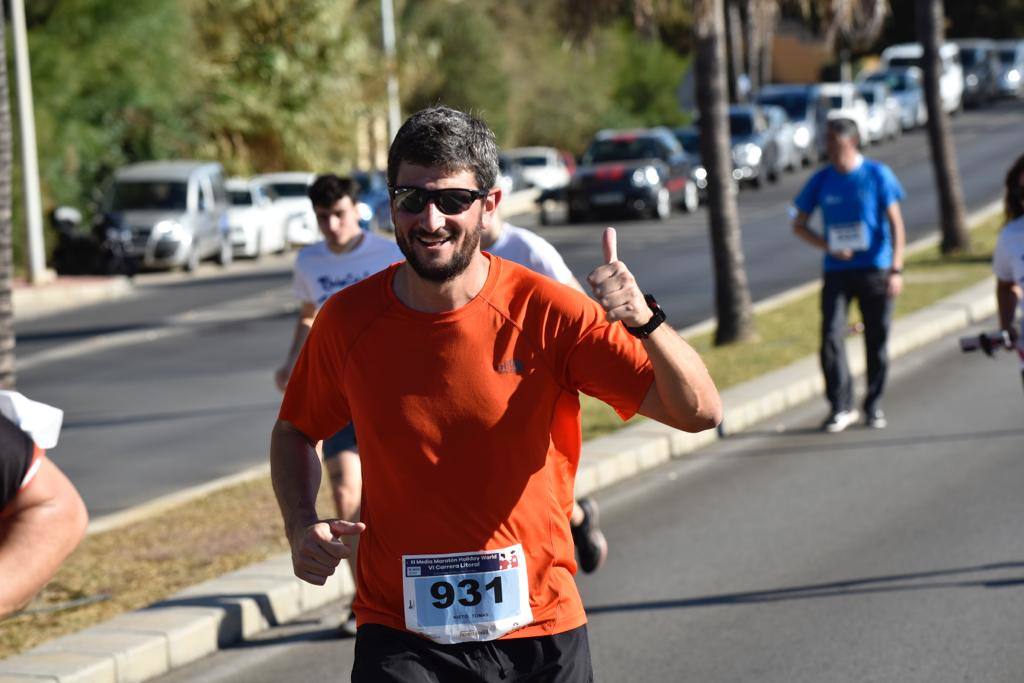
197,621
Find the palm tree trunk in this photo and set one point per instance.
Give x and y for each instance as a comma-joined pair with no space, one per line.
753,43
7,376
929,19
734,44
732,295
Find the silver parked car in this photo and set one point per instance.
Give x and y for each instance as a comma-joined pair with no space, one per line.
175,210
905,84
780,128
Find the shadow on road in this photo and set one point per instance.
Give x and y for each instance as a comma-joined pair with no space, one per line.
893,583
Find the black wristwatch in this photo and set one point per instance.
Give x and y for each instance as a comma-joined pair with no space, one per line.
644,331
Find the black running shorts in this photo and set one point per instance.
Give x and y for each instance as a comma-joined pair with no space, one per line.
384,654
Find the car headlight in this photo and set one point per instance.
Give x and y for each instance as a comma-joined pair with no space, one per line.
802,136
1013,76
748,154
171,230
700,173
648,175
972,80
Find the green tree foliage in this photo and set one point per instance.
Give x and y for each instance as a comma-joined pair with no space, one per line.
279,82
451,53
112,84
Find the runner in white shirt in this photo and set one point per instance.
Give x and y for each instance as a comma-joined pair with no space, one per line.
529,249
346,255
1008,258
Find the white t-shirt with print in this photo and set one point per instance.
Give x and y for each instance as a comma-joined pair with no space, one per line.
319,272
1008,257
531,250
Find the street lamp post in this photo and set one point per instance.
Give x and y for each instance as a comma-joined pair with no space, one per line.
37,272
387,18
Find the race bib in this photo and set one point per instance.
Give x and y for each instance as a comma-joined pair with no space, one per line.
466,597
852,236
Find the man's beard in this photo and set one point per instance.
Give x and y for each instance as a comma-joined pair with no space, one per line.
458,263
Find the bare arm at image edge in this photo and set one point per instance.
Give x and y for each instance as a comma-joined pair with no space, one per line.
39,529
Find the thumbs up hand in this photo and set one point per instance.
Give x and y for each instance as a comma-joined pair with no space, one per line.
616,289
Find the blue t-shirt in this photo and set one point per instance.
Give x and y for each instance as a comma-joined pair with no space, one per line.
852,202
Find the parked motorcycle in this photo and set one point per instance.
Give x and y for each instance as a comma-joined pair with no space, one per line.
103,251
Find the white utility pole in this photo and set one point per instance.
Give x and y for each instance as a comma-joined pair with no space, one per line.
37,272
387,18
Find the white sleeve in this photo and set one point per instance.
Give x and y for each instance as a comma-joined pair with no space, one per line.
545,259
1002,261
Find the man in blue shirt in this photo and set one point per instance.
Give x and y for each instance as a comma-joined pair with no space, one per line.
863,241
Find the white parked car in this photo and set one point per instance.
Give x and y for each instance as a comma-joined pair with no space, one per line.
842,101
289,190
257,226
541,167
951,77
883,110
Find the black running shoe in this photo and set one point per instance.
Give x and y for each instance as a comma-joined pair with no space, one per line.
591,545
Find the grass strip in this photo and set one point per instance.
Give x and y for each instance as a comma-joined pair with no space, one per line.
150,560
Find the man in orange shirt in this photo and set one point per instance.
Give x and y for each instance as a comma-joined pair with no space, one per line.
463,372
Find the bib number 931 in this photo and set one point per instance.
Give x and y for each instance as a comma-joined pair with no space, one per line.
464,597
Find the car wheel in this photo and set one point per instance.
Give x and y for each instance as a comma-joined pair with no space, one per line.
576,216
191,264
691,198
663,204
226,254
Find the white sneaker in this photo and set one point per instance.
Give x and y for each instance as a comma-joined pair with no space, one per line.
839,421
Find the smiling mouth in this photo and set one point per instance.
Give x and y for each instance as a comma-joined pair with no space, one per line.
433,241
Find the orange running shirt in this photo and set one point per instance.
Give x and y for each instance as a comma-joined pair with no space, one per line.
469,424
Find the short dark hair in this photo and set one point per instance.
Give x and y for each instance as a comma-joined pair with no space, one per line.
446,138
844,128
328,188
1013,199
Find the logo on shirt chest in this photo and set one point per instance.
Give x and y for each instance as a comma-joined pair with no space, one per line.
832,199
509,367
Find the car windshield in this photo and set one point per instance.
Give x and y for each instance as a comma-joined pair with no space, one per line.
239,197
620,149
869,96
532,161
795,104
905,61
740,124
690,140
290,189
835,101
149,195
971,57
1007,56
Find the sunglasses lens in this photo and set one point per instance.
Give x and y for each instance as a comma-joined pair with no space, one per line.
412,200
452,202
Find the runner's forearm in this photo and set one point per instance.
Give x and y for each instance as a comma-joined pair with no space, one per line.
899,234
295,473
683,396
1007,298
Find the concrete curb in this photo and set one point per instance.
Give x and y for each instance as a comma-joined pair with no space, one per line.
140,645
66,292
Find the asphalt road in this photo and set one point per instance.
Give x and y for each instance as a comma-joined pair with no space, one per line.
786,555
172,387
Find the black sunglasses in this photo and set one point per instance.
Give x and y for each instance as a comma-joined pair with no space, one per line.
449,201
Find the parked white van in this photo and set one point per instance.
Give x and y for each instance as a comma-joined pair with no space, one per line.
951,78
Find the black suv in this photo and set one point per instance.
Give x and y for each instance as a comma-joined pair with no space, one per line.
643,172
